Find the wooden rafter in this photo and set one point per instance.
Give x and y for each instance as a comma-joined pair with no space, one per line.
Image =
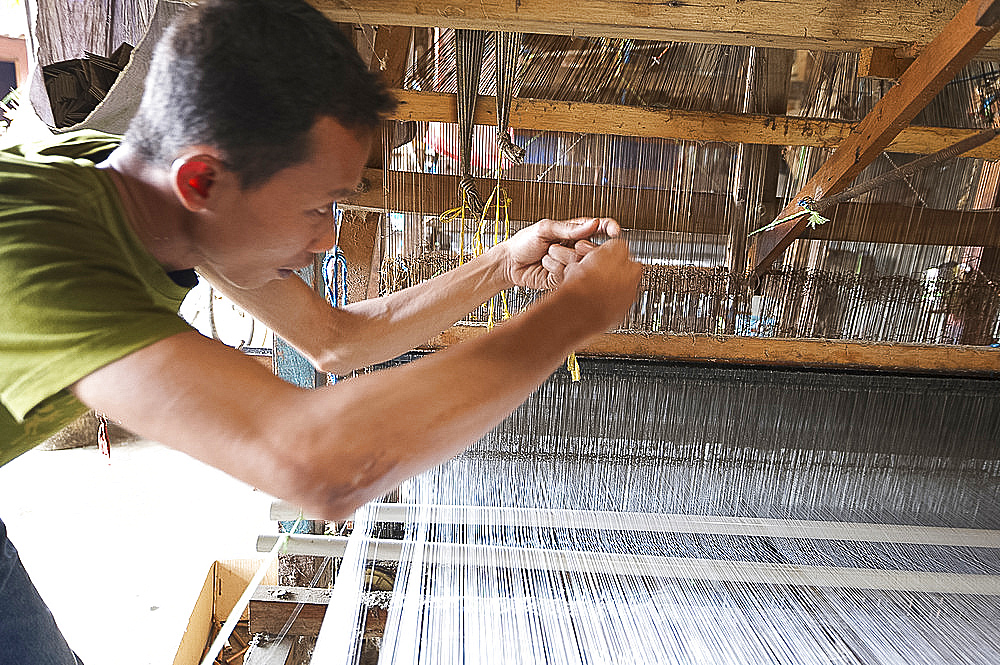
642,209
929,73
763,351
674,124
806,24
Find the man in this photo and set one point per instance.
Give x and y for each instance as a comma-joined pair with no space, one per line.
257,117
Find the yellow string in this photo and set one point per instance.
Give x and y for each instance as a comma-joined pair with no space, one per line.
497,224
459,214
573,367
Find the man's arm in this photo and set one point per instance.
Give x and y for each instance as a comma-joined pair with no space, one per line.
371,331
334,448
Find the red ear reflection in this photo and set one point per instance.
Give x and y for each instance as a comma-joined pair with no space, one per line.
196,177
199,184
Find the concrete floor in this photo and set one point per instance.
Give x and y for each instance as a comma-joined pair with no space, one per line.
120,548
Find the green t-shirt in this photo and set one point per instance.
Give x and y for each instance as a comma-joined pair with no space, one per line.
77,289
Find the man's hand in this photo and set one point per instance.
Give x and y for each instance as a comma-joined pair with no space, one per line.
537,257
603,283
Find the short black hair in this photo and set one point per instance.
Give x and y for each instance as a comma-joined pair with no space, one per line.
250,78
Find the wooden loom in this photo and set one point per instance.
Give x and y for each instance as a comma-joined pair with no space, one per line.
937,61
433,194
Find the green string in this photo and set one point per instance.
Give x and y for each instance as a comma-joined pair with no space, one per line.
815,219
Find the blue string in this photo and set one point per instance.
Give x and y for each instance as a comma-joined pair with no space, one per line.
335,267
335,273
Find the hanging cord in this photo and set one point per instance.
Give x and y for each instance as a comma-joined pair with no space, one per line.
335,267
460,214
335,273
470,46
508,72
495,221
508,60
814,207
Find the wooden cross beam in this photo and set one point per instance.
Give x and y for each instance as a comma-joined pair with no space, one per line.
936,65
429,194
676,124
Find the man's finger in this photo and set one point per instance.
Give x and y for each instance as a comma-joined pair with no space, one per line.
570,229
563,254
609,227
554,267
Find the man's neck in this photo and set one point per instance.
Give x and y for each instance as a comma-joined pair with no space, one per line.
153,211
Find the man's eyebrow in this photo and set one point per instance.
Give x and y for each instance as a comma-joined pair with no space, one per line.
346,191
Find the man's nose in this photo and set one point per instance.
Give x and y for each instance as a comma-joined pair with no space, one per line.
324,242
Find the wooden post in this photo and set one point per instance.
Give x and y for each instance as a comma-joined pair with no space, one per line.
930,72
360,239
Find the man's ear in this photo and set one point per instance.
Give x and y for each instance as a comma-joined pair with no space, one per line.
195,179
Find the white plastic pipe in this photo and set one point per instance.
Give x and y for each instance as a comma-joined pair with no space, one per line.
674,523
650,566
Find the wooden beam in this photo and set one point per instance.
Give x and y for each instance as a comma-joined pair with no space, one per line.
272,652
758,128
930,72
761,351
272,606
882,63
806,24
989,12
647,210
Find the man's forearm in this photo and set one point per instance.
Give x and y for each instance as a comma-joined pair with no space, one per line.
399,321
369,331
333,448
433,408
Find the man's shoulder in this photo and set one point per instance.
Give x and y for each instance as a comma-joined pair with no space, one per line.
86,144
56,173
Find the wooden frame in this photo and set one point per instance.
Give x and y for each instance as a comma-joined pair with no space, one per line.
881,23
764,351
756,128
807,24
926,77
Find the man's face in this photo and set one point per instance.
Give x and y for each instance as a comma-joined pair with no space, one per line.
269,231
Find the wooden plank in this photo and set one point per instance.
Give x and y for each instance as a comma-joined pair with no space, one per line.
930,72
272,652
359,240
759,128
882,63
272,606
808,24
828,354
646,210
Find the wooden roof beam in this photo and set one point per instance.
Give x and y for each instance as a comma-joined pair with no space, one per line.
930,72
835,25
757,128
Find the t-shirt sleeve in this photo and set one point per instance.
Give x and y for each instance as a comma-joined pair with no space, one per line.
73,301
